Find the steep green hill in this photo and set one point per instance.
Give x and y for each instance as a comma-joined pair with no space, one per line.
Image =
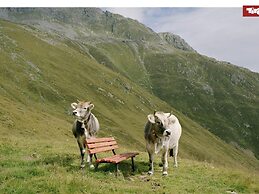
222,97
219,96
41,76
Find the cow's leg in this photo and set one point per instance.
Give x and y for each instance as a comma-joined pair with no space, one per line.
82,151
175,152
90,160
164,161
150,150
151,163
89,156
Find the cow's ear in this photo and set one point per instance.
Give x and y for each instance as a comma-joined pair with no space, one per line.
151,118
73,105
91,106
172,120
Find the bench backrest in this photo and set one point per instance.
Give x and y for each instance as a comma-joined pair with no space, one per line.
96,145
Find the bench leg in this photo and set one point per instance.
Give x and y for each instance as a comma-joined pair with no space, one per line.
96,166
117,169
132,161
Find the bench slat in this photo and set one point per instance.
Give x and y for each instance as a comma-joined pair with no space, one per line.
102,144
96,140
102,149
117,158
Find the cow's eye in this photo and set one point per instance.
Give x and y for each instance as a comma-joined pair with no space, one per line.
85,108
159,122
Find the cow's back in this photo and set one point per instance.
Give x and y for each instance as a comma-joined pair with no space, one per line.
176,131
93,125
148,132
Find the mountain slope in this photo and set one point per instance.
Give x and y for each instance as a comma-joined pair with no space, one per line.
221,97
40,79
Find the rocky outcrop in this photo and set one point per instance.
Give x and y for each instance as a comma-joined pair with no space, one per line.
176,41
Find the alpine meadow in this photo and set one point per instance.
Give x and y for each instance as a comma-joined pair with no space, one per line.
50,57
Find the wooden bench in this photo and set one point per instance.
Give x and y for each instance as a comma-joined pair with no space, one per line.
98,145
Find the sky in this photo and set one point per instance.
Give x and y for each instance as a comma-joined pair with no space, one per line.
221,33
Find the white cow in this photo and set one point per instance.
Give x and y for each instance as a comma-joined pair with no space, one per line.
162,133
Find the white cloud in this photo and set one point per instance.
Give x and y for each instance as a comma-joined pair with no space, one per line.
221,33
218,32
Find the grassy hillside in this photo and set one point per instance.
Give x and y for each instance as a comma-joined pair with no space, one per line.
52,167
41,74
218,95
40,78
222,97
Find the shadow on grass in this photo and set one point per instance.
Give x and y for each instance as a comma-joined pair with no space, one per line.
125,168
72,164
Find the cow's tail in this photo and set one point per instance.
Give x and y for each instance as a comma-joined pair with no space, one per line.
171,153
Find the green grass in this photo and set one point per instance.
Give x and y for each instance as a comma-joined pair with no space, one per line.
34,167
123,57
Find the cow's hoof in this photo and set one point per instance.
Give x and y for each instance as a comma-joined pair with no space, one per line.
91,166
175,165
165,173
82,165
150,172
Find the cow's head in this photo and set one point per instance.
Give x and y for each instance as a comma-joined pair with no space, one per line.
82,110
161,122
